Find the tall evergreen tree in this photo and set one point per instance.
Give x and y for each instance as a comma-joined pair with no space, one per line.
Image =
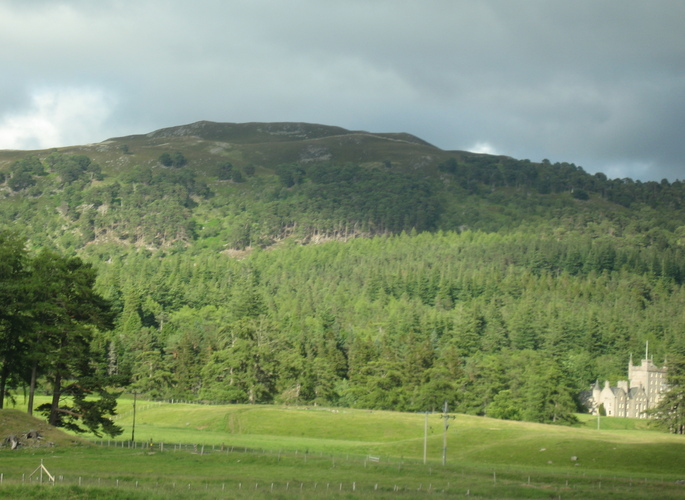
670,412
67,309
14,305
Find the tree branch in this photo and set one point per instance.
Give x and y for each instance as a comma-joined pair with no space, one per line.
69,412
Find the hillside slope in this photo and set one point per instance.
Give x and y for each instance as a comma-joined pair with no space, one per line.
230,186
18,423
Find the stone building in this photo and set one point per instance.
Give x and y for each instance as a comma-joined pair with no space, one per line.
629,398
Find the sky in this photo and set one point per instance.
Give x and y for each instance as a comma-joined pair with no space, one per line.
597,83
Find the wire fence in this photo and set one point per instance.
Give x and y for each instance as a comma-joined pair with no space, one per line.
205,449
485,486
230,487
391,475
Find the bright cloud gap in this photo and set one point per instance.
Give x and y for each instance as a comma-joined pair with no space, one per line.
483,148
56,117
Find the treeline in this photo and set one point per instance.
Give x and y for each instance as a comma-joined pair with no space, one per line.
218,205
477,173
401,322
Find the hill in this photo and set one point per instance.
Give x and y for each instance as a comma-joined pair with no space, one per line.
233,186
32,432
477,441
504,286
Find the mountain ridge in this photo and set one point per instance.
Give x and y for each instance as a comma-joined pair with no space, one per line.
253,183
257,132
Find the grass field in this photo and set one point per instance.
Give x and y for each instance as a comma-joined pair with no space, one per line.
241,451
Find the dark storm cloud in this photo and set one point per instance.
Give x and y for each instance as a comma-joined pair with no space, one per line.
600,84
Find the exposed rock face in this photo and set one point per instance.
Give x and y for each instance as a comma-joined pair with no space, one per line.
11,441
30,439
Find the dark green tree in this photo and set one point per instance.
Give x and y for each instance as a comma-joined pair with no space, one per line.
67,309
670,412
549,397
21,180
14,302
178,160
237,176
245,370
165,159
224,171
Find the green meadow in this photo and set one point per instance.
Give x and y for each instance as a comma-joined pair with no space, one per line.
242,451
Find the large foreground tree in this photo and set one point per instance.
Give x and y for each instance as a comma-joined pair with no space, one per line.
67,311
14,321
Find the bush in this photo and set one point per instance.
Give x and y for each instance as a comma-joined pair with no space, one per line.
165,159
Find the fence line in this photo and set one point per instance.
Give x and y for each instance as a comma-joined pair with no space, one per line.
456,480
223,485
477,485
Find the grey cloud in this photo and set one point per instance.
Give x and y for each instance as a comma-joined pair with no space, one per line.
601,84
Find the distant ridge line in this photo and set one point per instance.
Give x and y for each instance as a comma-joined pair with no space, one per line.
258,132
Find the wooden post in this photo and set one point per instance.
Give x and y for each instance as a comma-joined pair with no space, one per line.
32,386
425,439
444,438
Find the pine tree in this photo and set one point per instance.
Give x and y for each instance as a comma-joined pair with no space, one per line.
670,412
67,309
14,304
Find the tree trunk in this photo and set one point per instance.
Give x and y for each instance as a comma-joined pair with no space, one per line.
32,388
56,393
3,384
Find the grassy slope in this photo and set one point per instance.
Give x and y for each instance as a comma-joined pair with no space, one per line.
470,439
333,446
17,423
621,446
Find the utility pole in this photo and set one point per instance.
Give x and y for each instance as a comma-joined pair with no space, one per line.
425,438
444,438
133,429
